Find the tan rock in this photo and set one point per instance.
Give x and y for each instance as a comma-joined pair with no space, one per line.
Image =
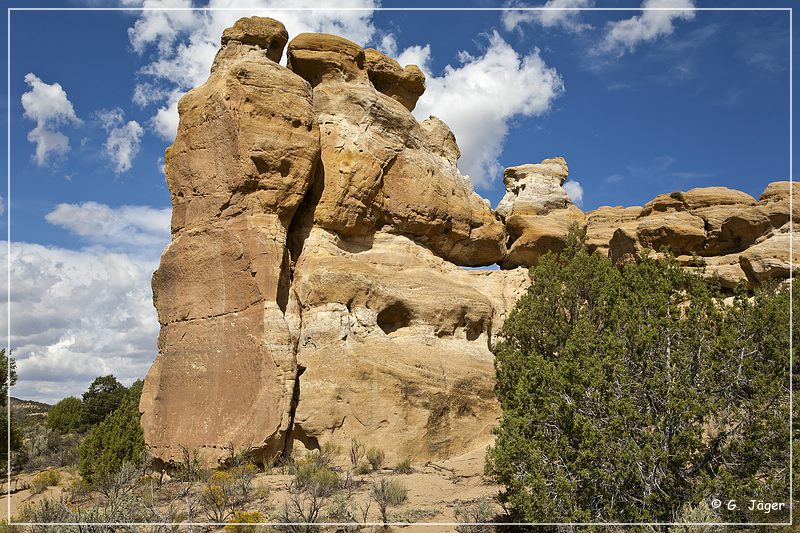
318,57
726,269
696,199
604,221
680,231
535,189
534,236
242,161
404,365
624,245
262,32
769,259
775,202
382,169
405,85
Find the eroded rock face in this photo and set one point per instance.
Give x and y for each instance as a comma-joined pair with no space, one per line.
405,365
242,161
381,169
313,290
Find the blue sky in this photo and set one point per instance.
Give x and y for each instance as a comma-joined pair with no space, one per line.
639,103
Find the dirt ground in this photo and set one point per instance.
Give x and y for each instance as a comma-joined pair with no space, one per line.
435,490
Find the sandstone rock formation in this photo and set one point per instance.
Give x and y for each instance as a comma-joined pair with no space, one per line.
314,288
310,290
537,211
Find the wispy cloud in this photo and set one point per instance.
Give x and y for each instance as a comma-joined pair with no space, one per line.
656,21
660,169
123,140
555,16
765,51
48,105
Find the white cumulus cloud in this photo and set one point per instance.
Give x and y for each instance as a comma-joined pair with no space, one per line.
77,314
47,105
575,192
559,13
122,228
123,140
655,21
185,43
479,98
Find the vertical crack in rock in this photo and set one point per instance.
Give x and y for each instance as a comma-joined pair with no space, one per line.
286,451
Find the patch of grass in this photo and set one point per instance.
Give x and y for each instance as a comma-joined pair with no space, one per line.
404,467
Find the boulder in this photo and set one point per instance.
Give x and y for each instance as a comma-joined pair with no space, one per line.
770,258
604,221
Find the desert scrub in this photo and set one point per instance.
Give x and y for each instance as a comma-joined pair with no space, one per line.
356,453
404,467
363,468
375,458
45,512
244,517
42,480
77,490
472,513
388,493
243,476
313,476
218,496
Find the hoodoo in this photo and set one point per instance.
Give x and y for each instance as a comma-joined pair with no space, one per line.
314,287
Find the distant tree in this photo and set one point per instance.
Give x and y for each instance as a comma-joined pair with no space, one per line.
116,440
67,416
631,393
103,396
5,373
8,378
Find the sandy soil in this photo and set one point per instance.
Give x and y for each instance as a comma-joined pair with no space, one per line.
435,490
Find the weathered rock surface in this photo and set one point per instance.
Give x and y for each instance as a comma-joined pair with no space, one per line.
537,211
404,365
313,290
381,169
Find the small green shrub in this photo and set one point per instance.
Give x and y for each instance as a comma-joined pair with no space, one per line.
388,493
42,480
363,468
314,477
375,458
77,490
404,467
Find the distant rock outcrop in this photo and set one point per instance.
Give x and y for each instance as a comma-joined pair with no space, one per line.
314,288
